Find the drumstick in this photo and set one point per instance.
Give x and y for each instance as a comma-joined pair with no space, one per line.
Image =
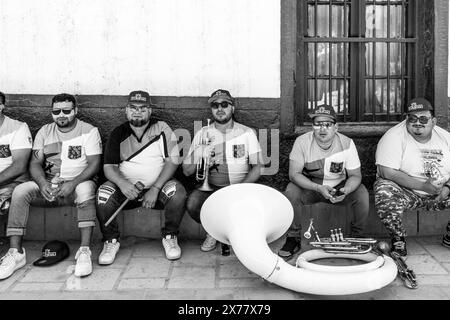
140,186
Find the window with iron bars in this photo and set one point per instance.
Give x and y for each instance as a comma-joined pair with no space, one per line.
357,56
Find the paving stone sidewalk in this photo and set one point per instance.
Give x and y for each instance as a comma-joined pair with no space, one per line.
141,271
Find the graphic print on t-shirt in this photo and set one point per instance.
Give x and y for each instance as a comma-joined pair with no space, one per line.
432,164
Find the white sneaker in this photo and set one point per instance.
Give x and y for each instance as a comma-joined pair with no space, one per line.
170,244
209,243
84,263
108,254
12,261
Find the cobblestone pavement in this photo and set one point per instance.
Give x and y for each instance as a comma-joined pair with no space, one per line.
141,271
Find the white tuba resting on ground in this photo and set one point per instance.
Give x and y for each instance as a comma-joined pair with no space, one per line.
248,216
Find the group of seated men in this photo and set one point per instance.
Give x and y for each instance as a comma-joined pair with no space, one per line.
142,155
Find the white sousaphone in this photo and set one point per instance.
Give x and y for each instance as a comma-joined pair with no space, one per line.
248,216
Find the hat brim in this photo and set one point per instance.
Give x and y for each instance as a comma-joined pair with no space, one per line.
46,262
313,115
225,98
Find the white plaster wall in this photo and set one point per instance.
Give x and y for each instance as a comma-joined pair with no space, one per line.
168,47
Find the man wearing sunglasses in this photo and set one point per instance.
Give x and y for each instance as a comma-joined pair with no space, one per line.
324,166
15,150
141,150
413,170
65,160
234,156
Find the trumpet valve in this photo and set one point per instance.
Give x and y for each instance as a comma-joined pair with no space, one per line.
332,236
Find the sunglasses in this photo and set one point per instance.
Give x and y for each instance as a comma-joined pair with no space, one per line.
223,104
323,124
65,111
138,108
422,119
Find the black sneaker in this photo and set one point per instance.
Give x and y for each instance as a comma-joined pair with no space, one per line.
446,240
399,246
290,247
225,249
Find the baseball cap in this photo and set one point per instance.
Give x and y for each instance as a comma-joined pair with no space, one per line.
323,110
53,252
419,104
221,94
141,97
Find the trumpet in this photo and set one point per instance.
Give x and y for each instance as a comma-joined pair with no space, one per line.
203,165
336,243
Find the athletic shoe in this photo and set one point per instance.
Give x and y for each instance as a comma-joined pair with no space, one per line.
84,264
108,254
399,246
170,244
12,261
290,247
225,249
446,241
209,243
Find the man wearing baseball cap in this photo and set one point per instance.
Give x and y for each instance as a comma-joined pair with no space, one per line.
413,170
64,163
234,156
324,166
141,150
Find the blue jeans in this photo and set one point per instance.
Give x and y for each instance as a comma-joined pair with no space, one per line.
299,197
172,198
28,193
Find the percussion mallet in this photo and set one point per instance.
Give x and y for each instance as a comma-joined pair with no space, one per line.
140,186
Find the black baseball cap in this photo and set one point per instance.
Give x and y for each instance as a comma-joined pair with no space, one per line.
419,104
53,252
323,110
221,94
140,97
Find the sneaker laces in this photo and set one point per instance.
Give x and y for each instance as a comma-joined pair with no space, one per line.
209,241
7,259
109,246
83,254
171,241
399,245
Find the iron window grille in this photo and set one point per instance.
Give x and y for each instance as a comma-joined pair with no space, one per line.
357,56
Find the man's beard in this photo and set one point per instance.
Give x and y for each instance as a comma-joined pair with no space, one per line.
67,123
138,122
224,120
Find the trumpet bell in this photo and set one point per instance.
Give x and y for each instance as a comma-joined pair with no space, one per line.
205,187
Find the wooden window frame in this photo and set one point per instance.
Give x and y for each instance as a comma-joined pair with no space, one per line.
357,77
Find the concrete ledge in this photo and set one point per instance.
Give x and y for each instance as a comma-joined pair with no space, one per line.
61,223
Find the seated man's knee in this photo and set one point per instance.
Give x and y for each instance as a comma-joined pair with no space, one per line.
23,191
292,192
193,206
174,191
105,192
85,191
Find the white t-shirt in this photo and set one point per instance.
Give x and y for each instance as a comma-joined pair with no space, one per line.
398,150
232,152
14,135
66,152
